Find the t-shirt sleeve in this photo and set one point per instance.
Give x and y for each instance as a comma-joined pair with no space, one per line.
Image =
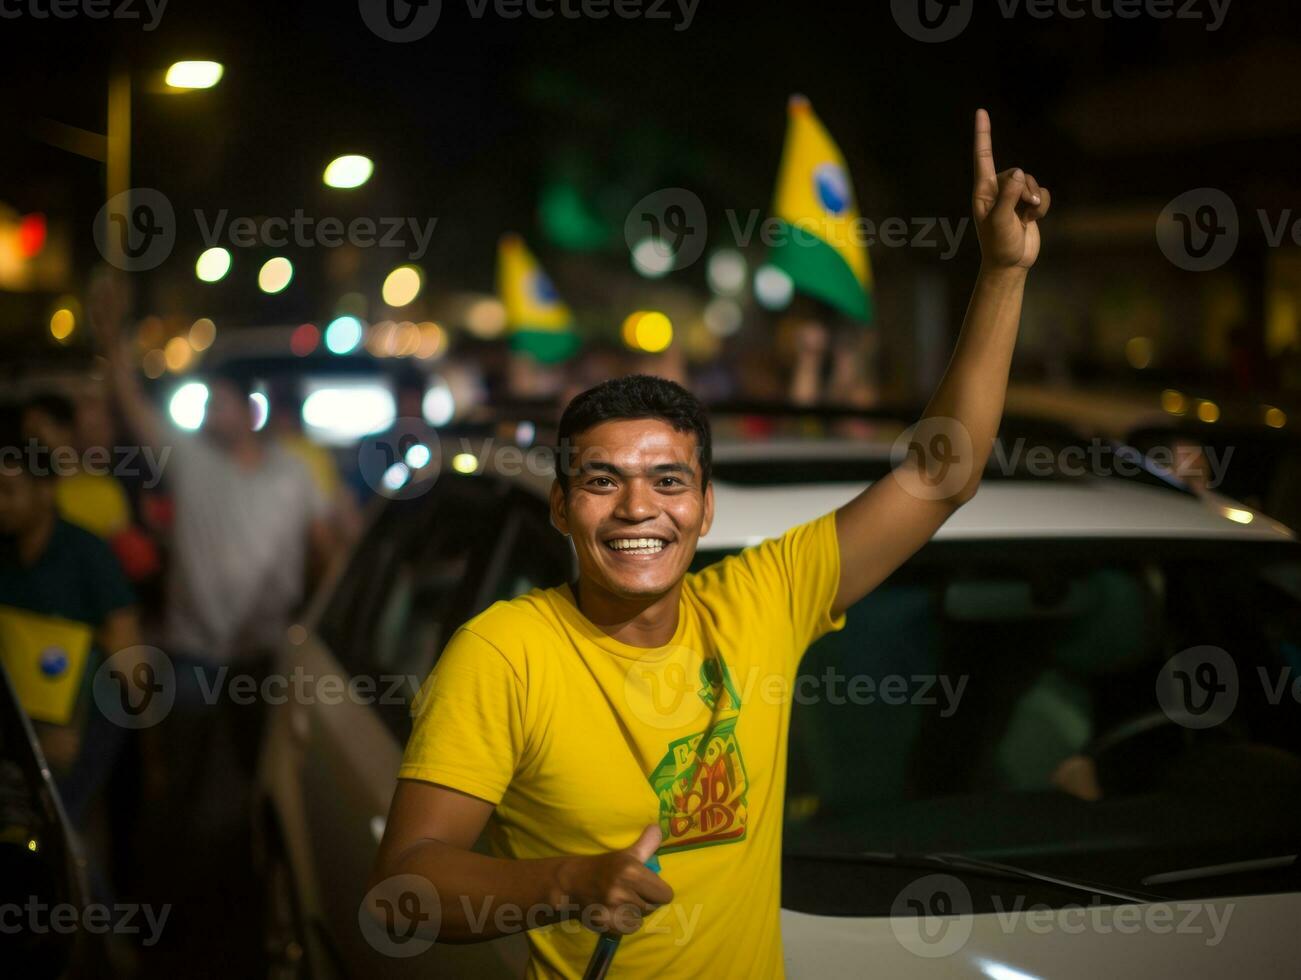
799,573
469,731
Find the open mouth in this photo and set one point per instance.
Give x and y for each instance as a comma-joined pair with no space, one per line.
644,547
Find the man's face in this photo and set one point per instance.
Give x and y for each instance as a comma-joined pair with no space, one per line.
22,500
634,481
228,416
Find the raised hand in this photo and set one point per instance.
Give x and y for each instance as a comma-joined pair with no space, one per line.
1007,206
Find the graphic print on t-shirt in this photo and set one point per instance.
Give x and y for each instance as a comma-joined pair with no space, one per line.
701,781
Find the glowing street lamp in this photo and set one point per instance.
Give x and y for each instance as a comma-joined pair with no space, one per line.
189,75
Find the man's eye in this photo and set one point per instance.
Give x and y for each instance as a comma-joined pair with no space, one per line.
602,481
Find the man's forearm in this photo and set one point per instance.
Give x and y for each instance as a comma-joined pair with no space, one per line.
974,387
482,897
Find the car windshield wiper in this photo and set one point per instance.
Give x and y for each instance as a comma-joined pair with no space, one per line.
989,869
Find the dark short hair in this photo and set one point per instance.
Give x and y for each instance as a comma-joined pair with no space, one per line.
634,396
56,406
229,374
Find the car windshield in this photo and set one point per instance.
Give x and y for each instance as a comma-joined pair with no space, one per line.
1123,713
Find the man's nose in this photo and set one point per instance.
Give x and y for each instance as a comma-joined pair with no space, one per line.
637,502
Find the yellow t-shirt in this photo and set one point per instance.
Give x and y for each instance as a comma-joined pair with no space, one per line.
94,501
581,741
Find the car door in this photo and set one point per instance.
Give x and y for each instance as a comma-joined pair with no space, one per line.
418,575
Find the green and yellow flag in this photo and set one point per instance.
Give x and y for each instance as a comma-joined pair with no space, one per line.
539,323
819,247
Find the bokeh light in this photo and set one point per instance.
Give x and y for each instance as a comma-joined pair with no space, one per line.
62,322
212,264
178,354
305,339
438,405
275,274
726,272
653,257
188,405
773,288
402,285
343,335
348,171
1173,402
202,334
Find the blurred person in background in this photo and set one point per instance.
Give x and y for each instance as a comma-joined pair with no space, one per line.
64,604
93,500
88,493
249,531
285,425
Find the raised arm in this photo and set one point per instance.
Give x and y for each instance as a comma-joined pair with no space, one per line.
880,528
108,309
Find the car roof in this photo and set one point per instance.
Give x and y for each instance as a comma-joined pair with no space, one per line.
1087,507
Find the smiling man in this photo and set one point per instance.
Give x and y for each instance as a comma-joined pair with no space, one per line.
624,716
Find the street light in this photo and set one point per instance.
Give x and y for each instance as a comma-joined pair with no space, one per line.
113,149
194,74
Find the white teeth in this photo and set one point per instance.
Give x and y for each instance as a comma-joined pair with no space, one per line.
641,546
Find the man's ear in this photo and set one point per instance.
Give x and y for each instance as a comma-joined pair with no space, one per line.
709,510
559,520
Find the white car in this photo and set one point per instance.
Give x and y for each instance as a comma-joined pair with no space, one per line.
1063,741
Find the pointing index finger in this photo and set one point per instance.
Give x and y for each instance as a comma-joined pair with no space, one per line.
984,151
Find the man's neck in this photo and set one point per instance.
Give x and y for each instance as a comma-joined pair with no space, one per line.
642,622
35,538
247,451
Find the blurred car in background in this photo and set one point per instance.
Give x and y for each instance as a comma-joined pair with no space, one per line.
1019,648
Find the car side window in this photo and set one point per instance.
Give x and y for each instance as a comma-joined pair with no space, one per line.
433,587
413,576
537,557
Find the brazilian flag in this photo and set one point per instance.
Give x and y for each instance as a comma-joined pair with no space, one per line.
539,323
815,203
